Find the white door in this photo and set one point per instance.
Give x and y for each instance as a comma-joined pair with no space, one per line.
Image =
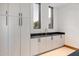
43,44
35,46
25,36
14,29
14,36
3,36
3,29
25,28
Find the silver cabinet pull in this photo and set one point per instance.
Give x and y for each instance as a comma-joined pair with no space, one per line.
6,18
39,40
21,19
52,38
60,36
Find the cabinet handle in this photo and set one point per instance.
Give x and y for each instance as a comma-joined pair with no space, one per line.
51,38
60,36
39,40
21,19
6,18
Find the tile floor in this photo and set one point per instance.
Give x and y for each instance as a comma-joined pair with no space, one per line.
64,51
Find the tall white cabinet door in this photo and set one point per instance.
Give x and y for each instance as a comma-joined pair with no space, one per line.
14,36
3,36
3,9
14,9
25,28
34,46
43,44
25,36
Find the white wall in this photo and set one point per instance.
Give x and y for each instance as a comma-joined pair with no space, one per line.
45,20
68,18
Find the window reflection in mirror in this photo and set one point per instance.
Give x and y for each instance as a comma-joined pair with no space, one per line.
37,16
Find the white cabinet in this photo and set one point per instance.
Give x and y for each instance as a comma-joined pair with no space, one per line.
58,41
55,41
19,36
25,36
14,29
19,29
3,36
25,10
35,46
14,35
62,40
38,45
3,29
43,44
49,43
46,43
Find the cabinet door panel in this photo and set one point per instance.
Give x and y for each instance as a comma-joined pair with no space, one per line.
25,36
34,46
26,9
49,43
3,9
14,36
61,42
14,9
43,44
3,36
57,41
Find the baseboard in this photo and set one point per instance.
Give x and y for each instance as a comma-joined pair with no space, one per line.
74,48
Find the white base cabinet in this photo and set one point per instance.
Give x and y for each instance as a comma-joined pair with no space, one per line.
43,44
47,43
58,41
35,46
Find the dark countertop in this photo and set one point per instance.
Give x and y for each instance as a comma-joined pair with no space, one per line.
46,34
